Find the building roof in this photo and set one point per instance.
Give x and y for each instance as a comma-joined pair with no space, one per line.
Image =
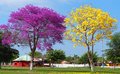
23,58
27,58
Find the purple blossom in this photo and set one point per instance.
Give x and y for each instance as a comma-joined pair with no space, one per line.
38,27
3,27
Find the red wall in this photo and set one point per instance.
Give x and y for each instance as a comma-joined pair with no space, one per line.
21,63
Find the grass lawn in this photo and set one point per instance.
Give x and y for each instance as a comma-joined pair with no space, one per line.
42,70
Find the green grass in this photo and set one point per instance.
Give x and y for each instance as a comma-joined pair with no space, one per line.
42,70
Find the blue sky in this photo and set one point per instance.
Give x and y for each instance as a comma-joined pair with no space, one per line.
63,7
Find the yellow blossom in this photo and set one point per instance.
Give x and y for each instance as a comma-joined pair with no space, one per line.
87,25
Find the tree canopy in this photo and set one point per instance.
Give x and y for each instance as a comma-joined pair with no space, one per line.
112,53
7,54
84,58
56,56
36,54
36,26
86,25
72,59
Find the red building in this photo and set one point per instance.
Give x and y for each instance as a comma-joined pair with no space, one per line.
23,61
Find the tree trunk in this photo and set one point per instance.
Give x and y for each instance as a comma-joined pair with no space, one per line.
42,61
0,65
90,59
91,62
32,62
92,68
31,65
50,62
92,55
114,65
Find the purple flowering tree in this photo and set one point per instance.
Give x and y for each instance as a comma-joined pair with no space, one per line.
37,27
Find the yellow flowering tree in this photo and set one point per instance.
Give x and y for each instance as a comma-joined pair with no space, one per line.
86,26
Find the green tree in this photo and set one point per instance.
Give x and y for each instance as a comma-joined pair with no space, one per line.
112,53
76,59
101,59
84,58
36,54
55,56
73,59
7,54
69,59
